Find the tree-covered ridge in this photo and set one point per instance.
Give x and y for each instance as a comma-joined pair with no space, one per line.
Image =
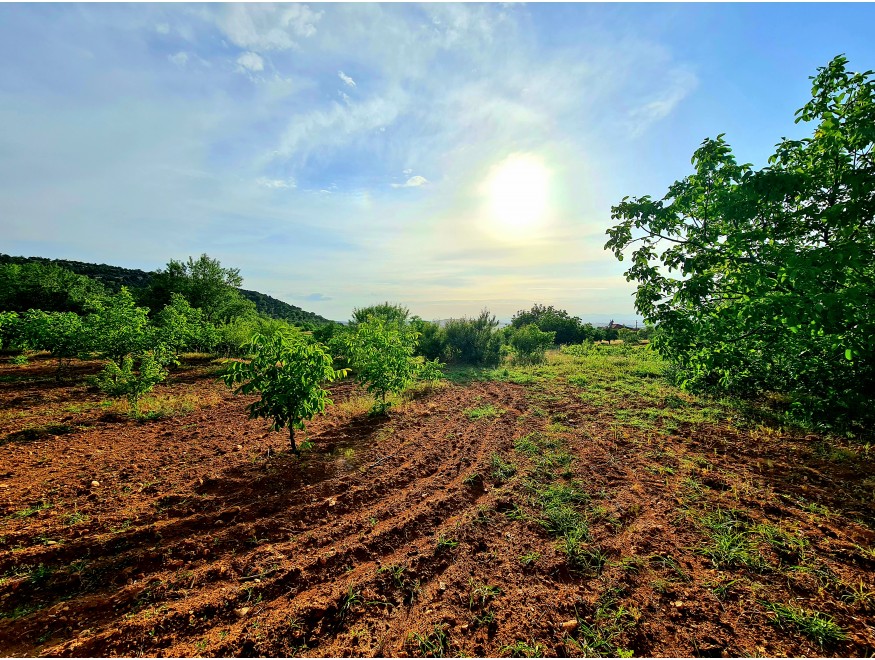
115,277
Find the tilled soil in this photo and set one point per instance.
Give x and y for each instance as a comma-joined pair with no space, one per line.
201,535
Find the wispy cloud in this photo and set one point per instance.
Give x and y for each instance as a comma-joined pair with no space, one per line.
250,62
267,27
412,182
349,82
180,59
661,104
277,184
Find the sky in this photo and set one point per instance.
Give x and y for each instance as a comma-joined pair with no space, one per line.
448,157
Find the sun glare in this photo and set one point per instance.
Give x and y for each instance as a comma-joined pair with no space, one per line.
517,193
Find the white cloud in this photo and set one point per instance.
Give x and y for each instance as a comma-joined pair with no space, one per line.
162,28
267,27
345,97
250,61
680,84
180,59
412,182
277,184
349,82
338,125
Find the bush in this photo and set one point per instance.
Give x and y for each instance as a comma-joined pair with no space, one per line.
530,345
136,376
118,327
390,313
473,341
432,343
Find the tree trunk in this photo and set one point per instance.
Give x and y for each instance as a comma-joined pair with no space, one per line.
292,440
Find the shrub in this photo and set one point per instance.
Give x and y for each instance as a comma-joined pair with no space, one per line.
530,345
135,376
432,343
287,371
60,333
118,327
473,341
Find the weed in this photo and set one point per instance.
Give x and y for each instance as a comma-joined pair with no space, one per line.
526,446
483,620
580,558
480,593
75,518
349,600
501,469
444,543
515,513
31,510
731,541
484,412
857,595
521,649
40,574
530,559
434,644
815,625
472,479
562,520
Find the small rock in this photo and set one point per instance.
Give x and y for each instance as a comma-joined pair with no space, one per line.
569,626
238,448
442,586
678,603
95,484
243,611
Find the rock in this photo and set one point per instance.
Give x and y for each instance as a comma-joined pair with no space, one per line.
569,626
442,586
95,484
243,611
238,448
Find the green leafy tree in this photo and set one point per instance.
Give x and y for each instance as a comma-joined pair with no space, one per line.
288,373
9,329
205,284
45,286
181,327
388,312
135,376
763,279
60,333
381,354
567,329
118,327
530,345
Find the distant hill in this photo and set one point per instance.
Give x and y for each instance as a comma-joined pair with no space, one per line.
115,277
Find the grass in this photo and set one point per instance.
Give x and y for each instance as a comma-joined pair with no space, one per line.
521,649
480,593
444,544
816,626
32,510
484,412
435,643
501,469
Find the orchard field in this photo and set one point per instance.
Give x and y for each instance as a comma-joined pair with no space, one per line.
584,506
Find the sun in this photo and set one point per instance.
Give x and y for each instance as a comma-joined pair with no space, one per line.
517,193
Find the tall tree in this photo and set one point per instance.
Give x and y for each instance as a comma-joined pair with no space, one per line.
764,279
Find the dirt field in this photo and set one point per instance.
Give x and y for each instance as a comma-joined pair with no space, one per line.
576,511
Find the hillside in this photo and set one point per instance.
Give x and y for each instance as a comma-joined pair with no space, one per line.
115,277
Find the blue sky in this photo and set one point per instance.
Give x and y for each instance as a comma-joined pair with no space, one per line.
346,154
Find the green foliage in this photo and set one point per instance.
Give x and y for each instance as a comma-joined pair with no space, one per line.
205,284
567,329
389,313
287,372
9,329
61,333
429,371
819,627
381,353
135,376
118,327
432,339
47,287
530,345
763,279
473,341
183,328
